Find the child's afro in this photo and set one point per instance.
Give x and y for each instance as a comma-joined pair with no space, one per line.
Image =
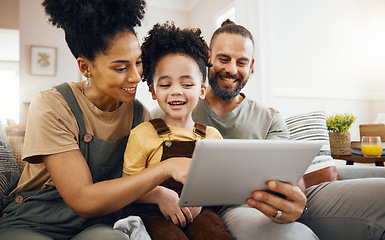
164,39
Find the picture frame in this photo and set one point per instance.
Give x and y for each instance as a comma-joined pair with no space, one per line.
43,60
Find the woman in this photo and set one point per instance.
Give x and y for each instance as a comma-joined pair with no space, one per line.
76,132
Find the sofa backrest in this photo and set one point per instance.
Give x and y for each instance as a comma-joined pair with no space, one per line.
312,127
9,172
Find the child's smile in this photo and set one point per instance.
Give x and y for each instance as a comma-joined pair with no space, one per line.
177,86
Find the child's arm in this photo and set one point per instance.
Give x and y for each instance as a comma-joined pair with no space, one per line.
167,201
135,160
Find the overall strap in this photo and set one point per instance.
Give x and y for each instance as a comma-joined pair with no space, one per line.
65,90
160,126
200,129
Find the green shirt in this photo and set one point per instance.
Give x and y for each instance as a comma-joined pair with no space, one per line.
249,120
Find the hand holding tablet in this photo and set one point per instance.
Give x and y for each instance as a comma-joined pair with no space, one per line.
228,171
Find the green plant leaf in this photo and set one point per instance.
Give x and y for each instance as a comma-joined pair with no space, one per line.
340,122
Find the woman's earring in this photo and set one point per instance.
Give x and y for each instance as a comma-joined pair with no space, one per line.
88,82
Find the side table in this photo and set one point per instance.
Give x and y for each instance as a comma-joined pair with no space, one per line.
350,160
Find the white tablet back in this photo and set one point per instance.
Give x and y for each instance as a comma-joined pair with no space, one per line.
226,172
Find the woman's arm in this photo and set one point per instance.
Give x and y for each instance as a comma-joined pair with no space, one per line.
70,173
167,201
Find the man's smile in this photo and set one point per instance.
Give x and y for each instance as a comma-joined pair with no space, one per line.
229,80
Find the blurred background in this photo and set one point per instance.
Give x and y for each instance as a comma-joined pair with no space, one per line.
324,55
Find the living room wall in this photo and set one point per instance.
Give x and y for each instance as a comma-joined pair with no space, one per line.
35,30
310,55
316,55
313,55
328,55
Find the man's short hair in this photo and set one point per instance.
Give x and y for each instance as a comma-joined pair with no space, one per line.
230,27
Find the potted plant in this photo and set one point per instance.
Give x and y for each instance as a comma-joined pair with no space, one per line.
338,126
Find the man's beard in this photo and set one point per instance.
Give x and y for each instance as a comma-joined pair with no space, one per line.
223,94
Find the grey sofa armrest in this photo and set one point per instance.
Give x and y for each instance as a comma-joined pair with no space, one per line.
350,172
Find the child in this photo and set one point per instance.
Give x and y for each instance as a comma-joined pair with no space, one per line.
174,66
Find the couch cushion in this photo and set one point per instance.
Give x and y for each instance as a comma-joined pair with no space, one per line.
16,143
9,172
15,134
3,134
312,127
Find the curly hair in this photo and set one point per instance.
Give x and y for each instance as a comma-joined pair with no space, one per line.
231,27
89,25
166,38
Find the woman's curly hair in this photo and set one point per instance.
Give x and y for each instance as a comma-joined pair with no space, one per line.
164,39
89,25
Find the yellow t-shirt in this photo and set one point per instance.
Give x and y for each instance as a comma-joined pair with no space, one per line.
144,146
52,128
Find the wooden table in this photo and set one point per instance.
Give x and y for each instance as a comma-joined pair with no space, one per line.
350,160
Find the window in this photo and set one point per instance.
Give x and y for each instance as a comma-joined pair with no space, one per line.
9,93
9,76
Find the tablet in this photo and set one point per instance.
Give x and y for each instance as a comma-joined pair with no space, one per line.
227,171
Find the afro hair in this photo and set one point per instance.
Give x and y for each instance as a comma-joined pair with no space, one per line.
89,25
164,39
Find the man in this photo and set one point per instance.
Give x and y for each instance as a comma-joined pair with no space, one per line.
235,116
350,209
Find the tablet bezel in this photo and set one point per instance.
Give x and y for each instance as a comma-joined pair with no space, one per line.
227,171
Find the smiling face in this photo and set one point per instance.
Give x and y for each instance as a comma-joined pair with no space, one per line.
232,60
116,74
177,86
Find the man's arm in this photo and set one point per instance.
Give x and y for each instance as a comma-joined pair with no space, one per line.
278,129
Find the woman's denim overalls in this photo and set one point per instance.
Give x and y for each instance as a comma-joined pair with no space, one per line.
45,210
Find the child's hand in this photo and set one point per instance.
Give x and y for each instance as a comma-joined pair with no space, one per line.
195,211
168,205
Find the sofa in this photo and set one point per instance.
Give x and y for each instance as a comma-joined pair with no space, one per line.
305,127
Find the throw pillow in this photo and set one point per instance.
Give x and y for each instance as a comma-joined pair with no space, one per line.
9,172
312,127
16,145
3,134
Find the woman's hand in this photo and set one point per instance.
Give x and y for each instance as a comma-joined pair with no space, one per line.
178,168
168,205
270,205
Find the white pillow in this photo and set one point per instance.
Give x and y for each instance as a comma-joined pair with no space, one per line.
312,127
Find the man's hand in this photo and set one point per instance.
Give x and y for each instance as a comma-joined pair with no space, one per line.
290,209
